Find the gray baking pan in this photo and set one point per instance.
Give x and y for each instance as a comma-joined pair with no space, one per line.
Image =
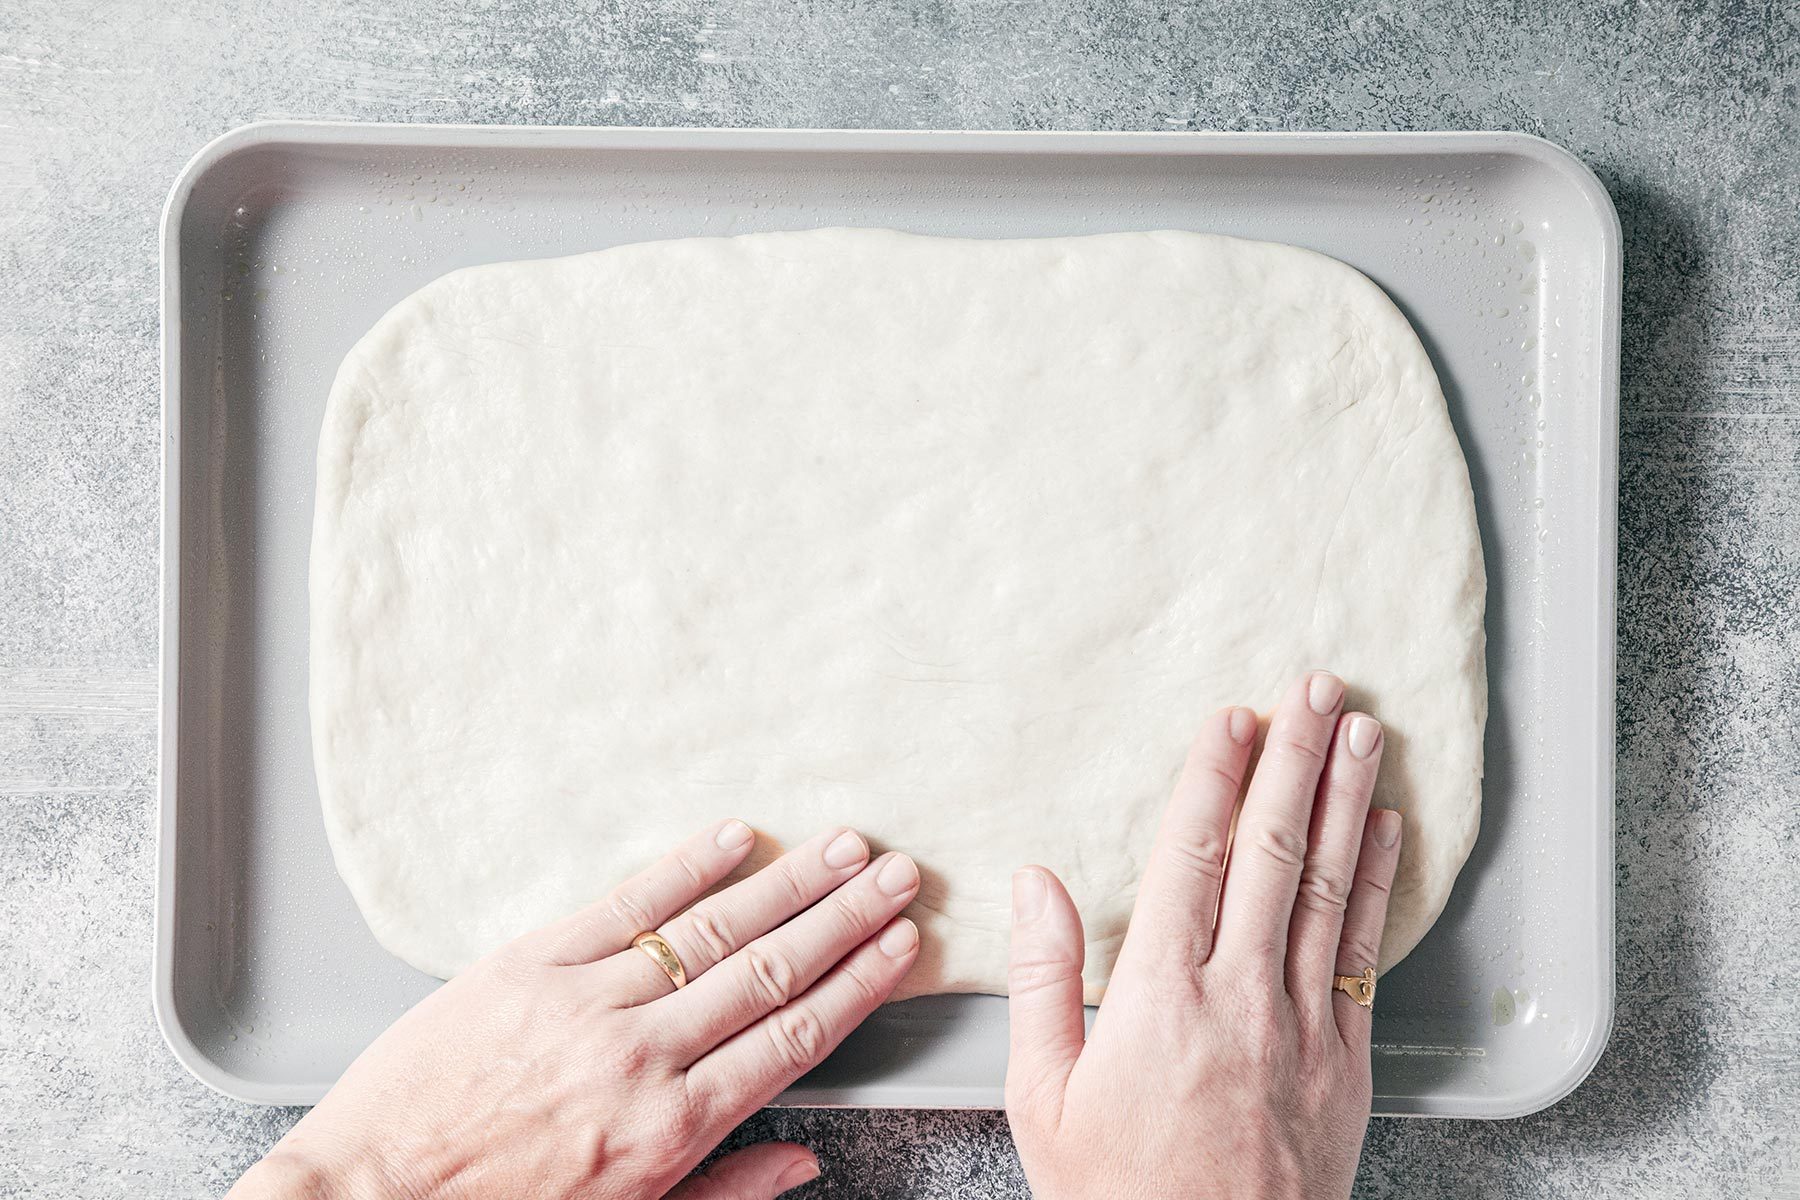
282,243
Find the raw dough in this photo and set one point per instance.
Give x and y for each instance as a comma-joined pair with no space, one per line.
952,541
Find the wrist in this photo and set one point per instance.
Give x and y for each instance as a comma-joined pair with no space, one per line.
292,1173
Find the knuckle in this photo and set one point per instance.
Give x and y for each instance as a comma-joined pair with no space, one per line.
1026,976
1350,791
685,1119
1188,981
1262,1015
630,911
1181,991
1221,776
850,913
1324,889
1213,774
1375,885
1264,1037
1202,855
674,1114
1019,1096
690,870
631,1056
1359,948
1295,755
1029,1095
797,1039
1257,995
792,883
700,1111
865,983
1282,844
1262,953
1328,1095
710,930
515,961
558,1008
772,975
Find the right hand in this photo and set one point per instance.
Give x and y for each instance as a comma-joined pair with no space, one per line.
1222,1062
566,1064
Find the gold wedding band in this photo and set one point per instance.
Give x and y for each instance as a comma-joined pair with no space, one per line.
1360,988
663,955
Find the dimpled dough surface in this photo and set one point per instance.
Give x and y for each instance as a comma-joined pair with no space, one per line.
955,542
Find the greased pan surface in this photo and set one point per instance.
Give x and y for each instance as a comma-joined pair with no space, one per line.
282,244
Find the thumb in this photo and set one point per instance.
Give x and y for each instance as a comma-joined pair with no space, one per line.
758,1172
1044,1001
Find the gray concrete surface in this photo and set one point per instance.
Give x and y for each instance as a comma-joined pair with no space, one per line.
1688,113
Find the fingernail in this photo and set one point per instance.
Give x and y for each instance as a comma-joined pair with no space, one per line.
733,834
846,850
804,1171
1323,692
1241,725
897,876
1387,827
899,939
1029,895
1364,733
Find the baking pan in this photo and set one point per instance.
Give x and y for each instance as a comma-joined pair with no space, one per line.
282,244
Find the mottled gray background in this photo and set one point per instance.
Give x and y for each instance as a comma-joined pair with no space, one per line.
1688,113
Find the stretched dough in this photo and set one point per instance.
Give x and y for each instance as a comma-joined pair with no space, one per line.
952,541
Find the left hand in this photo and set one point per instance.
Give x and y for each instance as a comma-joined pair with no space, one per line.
566,1064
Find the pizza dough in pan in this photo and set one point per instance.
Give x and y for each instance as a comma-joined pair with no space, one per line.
955,542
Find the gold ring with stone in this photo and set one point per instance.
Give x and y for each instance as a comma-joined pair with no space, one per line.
1360,988
663,955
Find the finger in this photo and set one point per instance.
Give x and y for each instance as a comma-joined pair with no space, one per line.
757,1172
721,924
751,1068
1180,892
1269,847
1044,991
1364,917
645,900
772,970
1333,845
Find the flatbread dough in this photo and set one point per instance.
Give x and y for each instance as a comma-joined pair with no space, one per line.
955,542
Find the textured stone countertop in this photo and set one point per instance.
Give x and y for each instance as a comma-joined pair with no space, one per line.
1686,110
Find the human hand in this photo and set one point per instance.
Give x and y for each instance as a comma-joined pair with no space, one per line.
1222,1062
566,1064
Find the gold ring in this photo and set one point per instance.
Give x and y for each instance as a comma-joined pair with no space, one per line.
663,955
1360,988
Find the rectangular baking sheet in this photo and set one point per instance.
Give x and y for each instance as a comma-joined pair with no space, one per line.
282,243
